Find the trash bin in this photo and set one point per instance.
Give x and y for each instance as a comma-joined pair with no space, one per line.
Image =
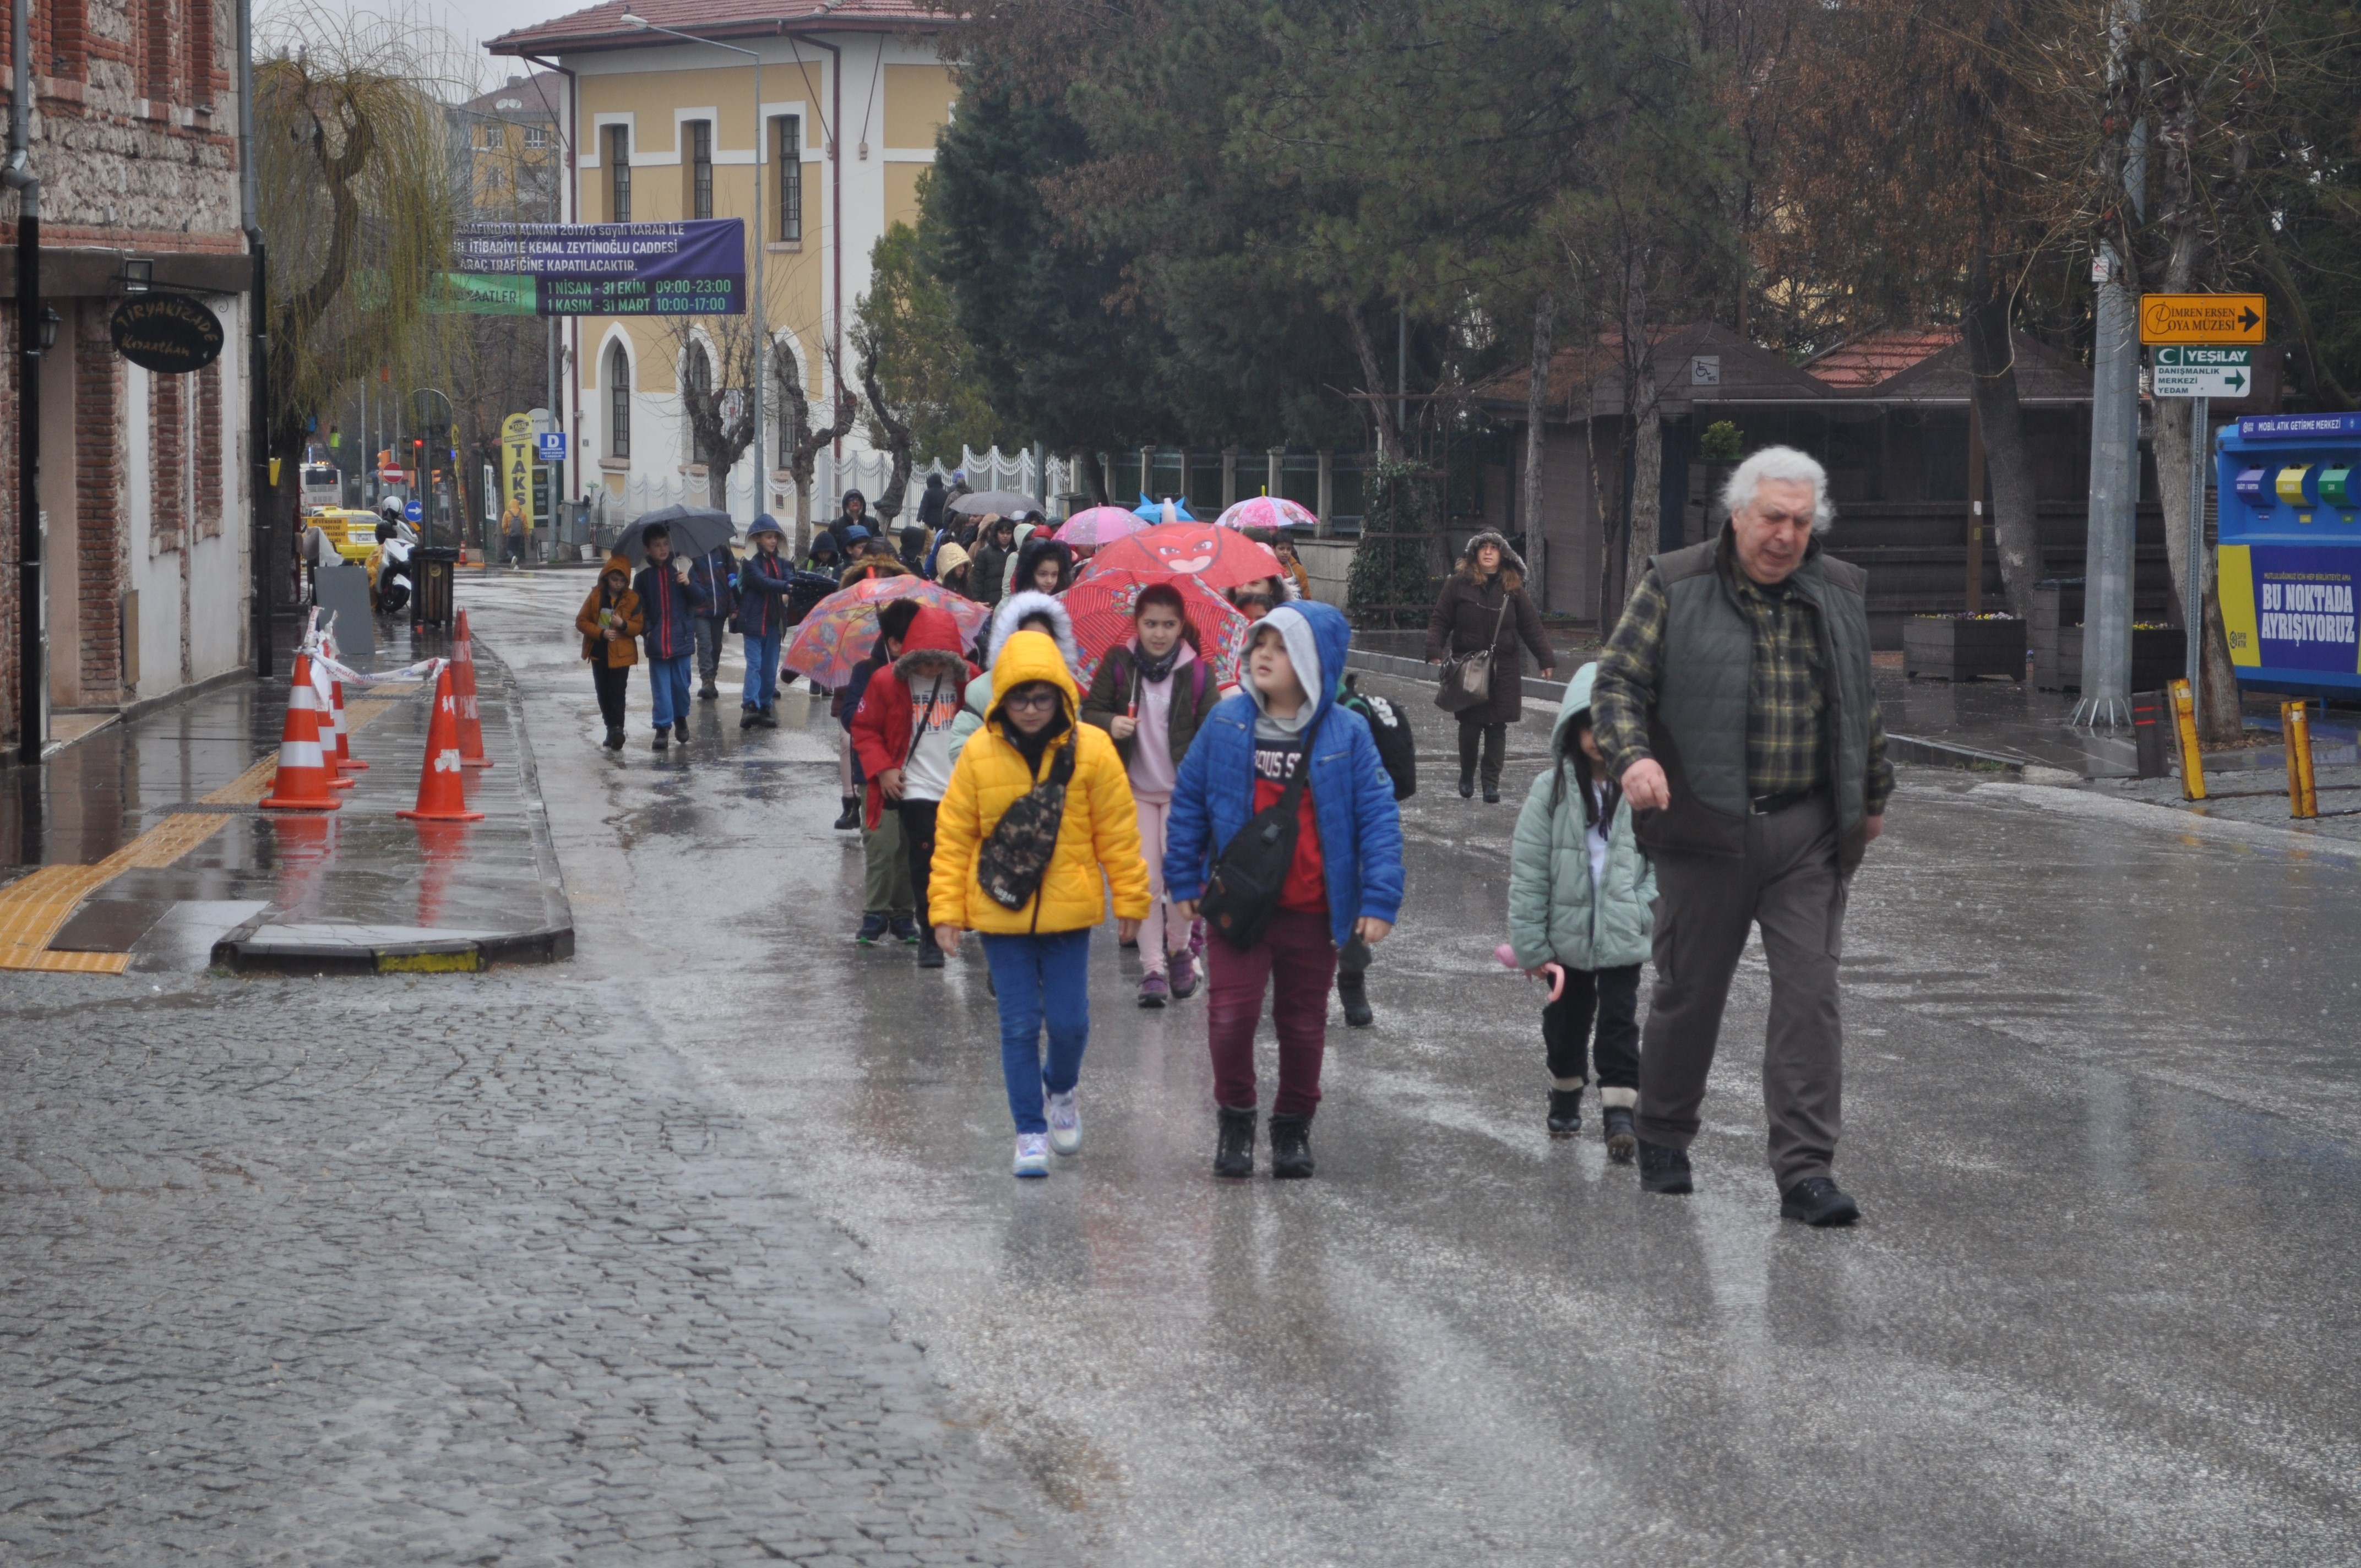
434,569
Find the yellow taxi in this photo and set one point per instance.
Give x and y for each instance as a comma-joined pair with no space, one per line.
354,533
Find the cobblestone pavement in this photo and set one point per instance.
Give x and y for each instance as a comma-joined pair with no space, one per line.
460,1269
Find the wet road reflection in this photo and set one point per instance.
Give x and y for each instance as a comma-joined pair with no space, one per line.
2101,1110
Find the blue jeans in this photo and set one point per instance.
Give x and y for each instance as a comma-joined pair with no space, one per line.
763,668
1040,978
668,680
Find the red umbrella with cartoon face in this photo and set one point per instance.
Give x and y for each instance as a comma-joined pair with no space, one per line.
1217,558
1101,606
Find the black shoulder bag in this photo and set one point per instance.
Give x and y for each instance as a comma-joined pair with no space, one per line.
1013,860
1243,893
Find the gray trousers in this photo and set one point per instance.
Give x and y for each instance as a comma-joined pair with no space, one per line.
1787,883
711,630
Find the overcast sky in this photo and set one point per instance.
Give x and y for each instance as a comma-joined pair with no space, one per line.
468,24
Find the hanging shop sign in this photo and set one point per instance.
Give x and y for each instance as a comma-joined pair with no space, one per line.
695,268
169,333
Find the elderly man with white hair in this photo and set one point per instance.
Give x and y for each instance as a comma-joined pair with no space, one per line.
1734,704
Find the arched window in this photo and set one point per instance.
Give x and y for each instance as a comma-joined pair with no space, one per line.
619,402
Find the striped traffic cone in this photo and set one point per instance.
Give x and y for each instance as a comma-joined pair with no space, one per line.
303,782
440,796
345,763
463,689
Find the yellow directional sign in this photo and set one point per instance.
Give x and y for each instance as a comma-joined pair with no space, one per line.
2201,318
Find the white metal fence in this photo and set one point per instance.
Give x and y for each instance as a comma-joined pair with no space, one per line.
868,472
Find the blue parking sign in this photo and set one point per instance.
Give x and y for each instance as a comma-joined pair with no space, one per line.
552,448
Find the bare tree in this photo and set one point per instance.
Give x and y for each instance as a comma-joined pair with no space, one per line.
800,441
716,355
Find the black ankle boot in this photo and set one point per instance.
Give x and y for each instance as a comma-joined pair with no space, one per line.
1353,991
1234,1154
1467,783
1663,1169
850,816
1291,1147
1565,1112
1621,1140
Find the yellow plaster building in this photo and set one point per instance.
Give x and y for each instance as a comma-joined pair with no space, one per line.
658,129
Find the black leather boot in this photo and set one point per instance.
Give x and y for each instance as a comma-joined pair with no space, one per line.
1291,1147
1663,1169
850,816
1234,1154
1565,1112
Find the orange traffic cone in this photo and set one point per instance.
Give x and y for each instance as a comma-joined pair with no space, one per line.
440,798
344,761
303,783
463,687
332,737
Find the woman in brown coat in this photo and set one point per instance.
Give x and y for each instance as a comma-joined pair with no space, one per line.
1484,603
610,623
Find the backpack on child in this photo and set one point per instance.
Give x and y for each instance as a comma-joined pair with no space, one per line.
1389,728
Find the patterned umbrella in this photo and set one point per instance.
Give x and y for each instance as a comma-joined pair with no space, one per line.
841,630
1101,604
1218,557
1267,511
1099,526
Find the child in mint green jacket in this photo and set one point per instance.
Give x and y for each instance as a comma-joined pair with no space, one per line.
1581,897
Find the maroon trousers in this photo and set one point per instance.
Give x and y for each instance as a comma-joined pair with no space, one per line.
1298,961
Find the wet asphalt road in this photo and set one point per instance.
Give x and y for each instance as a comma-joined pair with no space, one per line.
2101,1114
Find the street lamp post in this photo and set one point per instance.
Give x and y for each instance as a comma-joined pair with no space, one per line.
761,303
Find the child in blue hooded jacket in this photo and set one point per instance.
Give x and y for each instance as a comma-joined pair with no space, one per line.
1346,880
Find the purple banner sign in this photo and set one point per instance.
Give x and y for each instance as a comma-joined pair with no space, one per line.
692,268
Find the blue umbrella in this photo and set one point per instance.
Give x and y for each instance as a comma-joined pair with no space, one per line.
1153,510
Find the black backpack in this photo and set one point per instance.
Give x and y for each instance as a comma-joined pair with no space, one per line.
1243,893
1389,728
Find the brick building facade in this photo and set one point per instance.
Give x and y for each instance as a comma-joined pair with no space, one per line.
143,482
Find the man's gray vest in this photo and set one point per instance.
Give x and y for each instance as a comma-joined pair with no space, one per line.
1698,727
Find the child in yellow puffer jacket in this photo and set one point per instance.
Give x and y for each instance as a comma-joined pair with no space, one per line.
1039,949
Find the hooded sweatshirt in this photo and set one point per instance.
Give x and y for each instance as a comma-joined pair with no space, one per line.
1278,752
1360,826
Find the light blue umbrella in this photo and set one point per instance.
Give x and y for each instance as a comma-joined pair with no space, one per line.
1153,510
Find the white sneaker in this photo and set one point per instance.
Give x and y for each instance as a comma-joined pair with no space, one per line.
1065,1124
1032,1155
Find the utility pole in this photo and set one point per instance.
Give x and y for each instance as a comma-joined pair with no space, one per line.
2114,471
32,640
257,351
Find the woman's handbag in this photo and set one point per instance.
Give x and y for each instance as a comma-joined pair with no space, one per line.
1467,678
1243,893
1010,866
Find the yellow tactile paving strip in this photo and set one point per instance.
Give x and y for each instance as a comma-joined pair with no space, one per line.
34,908
250,786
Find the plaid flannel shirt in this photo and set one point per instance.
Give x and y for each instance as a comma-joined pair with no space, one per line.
1786,692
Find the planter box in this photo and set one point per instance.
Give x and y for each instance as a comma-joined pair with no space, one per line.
1952,650
2057,602
2158,657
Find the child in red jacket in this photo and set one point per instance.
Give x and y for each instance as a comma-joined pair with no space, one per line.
901,736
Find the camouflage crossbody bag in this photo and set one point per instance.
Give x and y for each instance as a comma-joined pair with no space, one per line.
1011,864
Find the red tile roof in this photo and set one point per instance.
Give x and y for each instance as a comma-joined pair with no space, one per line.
1871,361
601,27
